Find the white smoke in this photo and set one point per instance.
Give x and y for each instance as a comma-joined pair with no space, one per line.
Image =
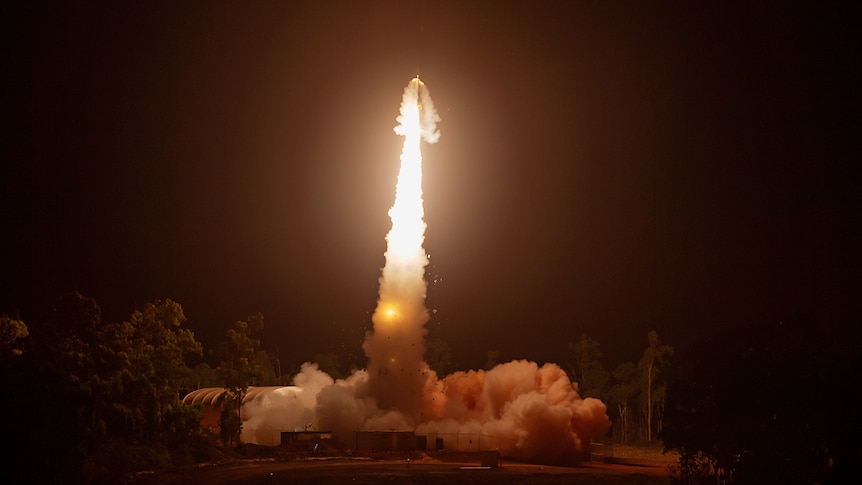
417,94
526,411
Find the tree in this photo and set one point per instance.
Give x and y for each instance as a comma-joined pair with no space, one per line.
238,370
202,376
94,400
588,371
230,422
48,414
13,333
766,403
158,348
625,389
267,375
653,360
329,363
78,369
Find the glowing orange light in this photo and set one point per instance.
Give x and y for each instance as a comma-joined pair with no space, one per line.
402,287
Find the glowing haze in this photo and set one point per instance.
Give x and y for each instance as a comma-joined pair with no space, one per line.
525,410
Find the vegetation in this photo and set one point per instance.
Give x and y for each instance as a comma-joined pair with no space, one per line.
238,370
634,394
93,401
588,372
765,404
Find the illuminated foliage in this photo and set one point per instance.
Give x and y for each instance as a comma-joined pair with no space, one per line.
93,399
238,370
158,347
13,333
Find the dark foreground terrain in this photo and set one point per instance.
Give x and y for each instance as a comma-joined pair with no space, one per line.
431,468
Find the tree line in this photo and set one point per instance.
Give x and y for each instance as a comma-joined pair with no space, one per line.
92,401
635,393
770,402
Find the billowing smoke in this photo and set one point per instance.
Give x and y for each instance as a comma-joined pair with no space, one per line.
526,411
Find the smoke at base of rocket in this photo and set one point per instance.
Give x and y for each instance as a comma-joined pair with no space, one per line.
524,410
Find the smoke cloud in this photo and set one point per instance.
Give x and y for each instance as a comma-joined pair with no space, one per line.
526,411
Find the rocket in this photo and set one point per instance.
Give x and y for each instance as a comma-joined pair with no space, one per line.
418,82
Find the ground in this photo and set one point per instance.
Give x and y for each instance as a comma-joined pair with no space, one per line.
630,465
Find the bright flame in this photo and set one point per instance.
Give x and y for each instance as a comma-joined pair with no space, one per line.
396,346
408,226
518,408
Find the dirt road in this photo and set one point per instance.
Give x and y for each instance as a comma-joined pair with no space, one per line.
422,471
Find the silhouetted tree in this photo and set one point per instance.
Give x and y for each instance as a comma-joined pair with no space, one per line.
329,363
653,360
230,422
238,370
203,375
72,379
622,392
96,399
766,404
587,370
266,370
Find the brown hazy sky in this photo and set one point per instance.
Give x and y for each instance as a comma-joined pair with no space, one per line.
604,168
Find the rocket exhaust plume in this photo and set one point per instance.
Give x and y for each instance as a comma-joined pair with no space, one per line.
524,410
397,372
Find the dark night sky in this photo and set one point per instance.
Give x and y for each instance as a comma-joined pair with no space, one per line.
605,168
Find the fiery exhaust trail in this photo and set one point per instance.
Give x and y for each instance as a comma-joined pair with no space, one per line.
396,370
408,226
523,410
